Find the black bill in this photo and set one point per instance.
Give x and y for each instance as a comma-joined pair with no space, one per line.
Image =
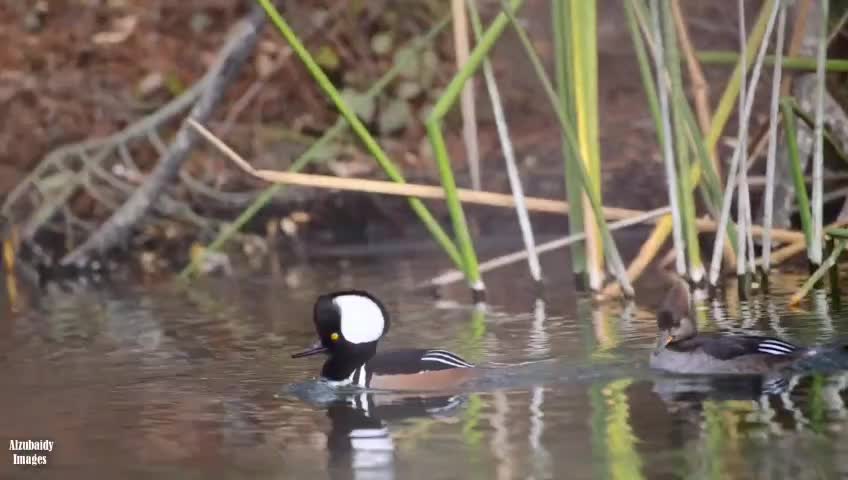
313,350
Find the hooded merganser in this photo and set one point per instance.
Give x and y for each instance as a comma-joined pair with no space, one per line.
350,323
681,349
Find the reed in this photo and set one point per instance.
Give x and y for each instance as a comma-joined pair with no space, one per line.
742,149
667,138
467,105
786,62
509,157
584,79
371,144
737,167
829,263
774,106
710,187
578,165
835,292
563,65
688,147
662,229
311,154
685,189
434,132
725,105
818,136
789,125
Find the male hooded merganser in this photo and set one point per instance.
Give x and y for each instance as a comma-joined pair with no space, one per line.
349,325
681,349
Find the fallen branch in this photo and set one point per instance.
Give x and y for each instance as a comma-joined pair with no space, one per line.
233,55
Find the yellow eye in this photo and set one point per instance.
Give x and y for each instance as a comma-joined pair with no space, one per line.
334,336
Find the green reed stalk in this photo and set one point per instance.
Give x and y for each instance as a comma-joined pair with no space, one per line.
311,153
434,132
789,125
644,68
367,139
616,264
787,63
828,136
837,232
711,188
563,63
663,227
685,189
584,81
819,273
818,135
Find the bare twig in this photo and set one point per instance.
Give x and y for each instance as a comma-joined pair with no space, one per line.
233,55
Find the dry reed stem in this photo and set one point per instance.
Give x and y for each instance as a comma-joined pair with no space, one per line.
785,253
799,29
646,254
699,85
491,199
467,105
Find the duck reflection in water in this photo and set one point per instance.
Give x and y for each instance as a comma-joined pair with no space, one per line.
360,443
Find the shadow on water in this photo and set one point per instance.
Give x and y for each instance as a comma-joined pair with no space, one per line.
138,380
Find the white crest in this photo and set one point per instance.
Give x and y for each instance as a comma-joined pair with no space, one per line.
361,318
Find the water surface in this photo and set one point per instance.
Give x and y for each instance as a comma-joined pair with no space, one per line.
132,380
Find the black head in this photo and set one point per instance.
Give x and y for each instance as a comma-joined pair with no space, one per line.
676,316
349,324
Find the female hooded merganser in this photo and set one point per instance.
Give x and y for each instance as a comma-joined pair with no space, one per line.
681,349
349,325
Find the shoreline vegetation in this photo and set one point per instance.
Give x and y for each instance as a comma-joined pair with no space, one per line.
752,177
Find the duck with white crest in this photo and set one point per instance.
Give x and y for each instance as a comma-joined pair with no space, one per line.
349,325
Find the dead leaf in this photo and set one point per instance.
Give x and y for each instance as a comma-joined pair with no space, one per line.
150,83
122,28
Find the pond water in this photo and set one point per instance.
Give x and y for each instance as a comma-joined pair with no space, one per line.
132,380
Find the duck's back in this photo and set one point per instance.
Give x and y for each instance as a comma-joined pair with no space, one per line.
718,354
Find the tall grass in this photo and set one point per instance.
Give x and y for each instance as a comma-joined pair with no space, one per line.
687,148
